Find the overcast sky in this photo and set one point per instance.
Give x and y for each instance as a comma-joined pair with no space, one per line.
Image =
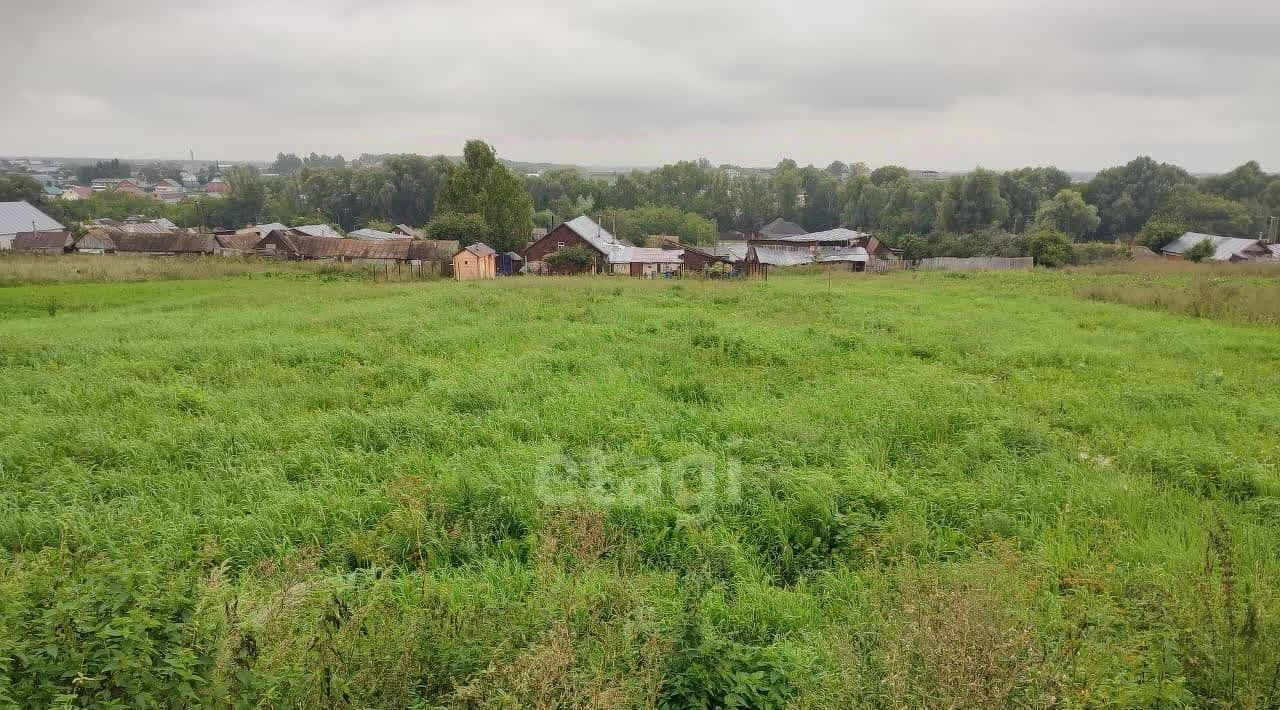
943,84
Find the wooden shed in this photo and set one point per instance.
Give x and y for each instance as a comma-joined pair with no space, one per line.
477,261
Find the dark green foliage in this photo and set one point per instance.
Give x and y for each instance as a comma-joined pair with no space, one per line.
104,635
20,188
715,673
1049,246
466,228
1128,195
1159,231
573,259
1199,251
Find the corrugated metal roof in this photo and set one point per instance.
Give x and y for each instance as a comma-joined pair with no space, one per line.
480,249
432,249
42,241
594,234
800,256
837,235
317,230
367,234
19,216
145,228
619,254
1224,248
244,240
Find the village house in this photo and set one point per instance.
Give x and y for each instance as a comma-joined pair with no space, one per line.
477,261
1229,249
239,243
580,231
16,217
43,242
701,258
838,237
374,235
128,185
76,192
289,244
316,230
786,256
169,190
405,230
216,187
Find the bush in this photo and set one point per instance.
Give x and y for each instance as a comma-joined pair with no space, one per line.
1159,231
1199,252
714,673
571,259
1088,253
1049,246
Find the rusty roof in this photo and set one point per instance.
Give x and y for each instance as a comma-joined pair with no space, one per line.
242,241
171,242
38,241
432,249
479,249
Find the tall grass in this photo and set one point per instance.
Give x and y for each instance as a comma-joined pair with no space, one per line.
23,269
900,491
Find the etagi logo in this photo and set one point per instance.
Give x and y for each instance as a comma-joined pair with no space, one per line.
698,485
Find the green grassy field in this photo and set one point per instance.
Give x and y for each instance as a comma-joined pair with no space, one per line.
905,491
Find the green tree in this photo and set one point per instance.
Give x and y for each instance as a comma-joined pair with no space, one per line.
286,164
1199,251
1128,195
636,224
483,186
1206,213
16,188
887,175
246,199
468,228
1068,212
573,259
1050,247
1159,231
971,203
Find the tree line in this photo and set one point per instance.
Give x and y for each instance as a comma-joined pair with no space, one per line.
478,198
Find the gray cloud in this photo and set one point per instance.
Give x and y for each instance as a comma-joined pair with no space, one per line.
929,83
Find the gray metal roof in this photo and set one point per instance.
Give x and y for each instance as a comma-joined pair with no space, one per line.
594,234
1224,248
839,234
374,235
619,254
18,216
318,230
800,256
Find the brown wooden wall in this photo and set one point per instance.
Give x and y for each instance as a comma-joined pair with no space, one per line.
539,250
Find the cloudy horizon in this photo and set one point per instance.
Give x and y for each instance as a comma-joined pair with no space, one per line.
922,83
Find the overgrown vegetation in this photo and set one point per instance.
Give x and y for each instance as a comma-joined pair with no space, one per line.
608,492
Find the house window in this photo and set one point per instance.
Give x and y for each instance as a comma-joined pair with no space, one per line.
559,245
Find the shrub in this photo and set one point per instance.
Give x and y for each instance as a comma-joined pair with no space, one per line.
715,673
1049,246
1199,252
1159,231
573,259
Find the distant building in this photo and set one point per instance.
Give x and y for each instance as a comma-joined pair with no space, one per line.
374,235
216,187
76,192
43,242
477,261
17,217
407,231
1229,249
780,228
317,230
